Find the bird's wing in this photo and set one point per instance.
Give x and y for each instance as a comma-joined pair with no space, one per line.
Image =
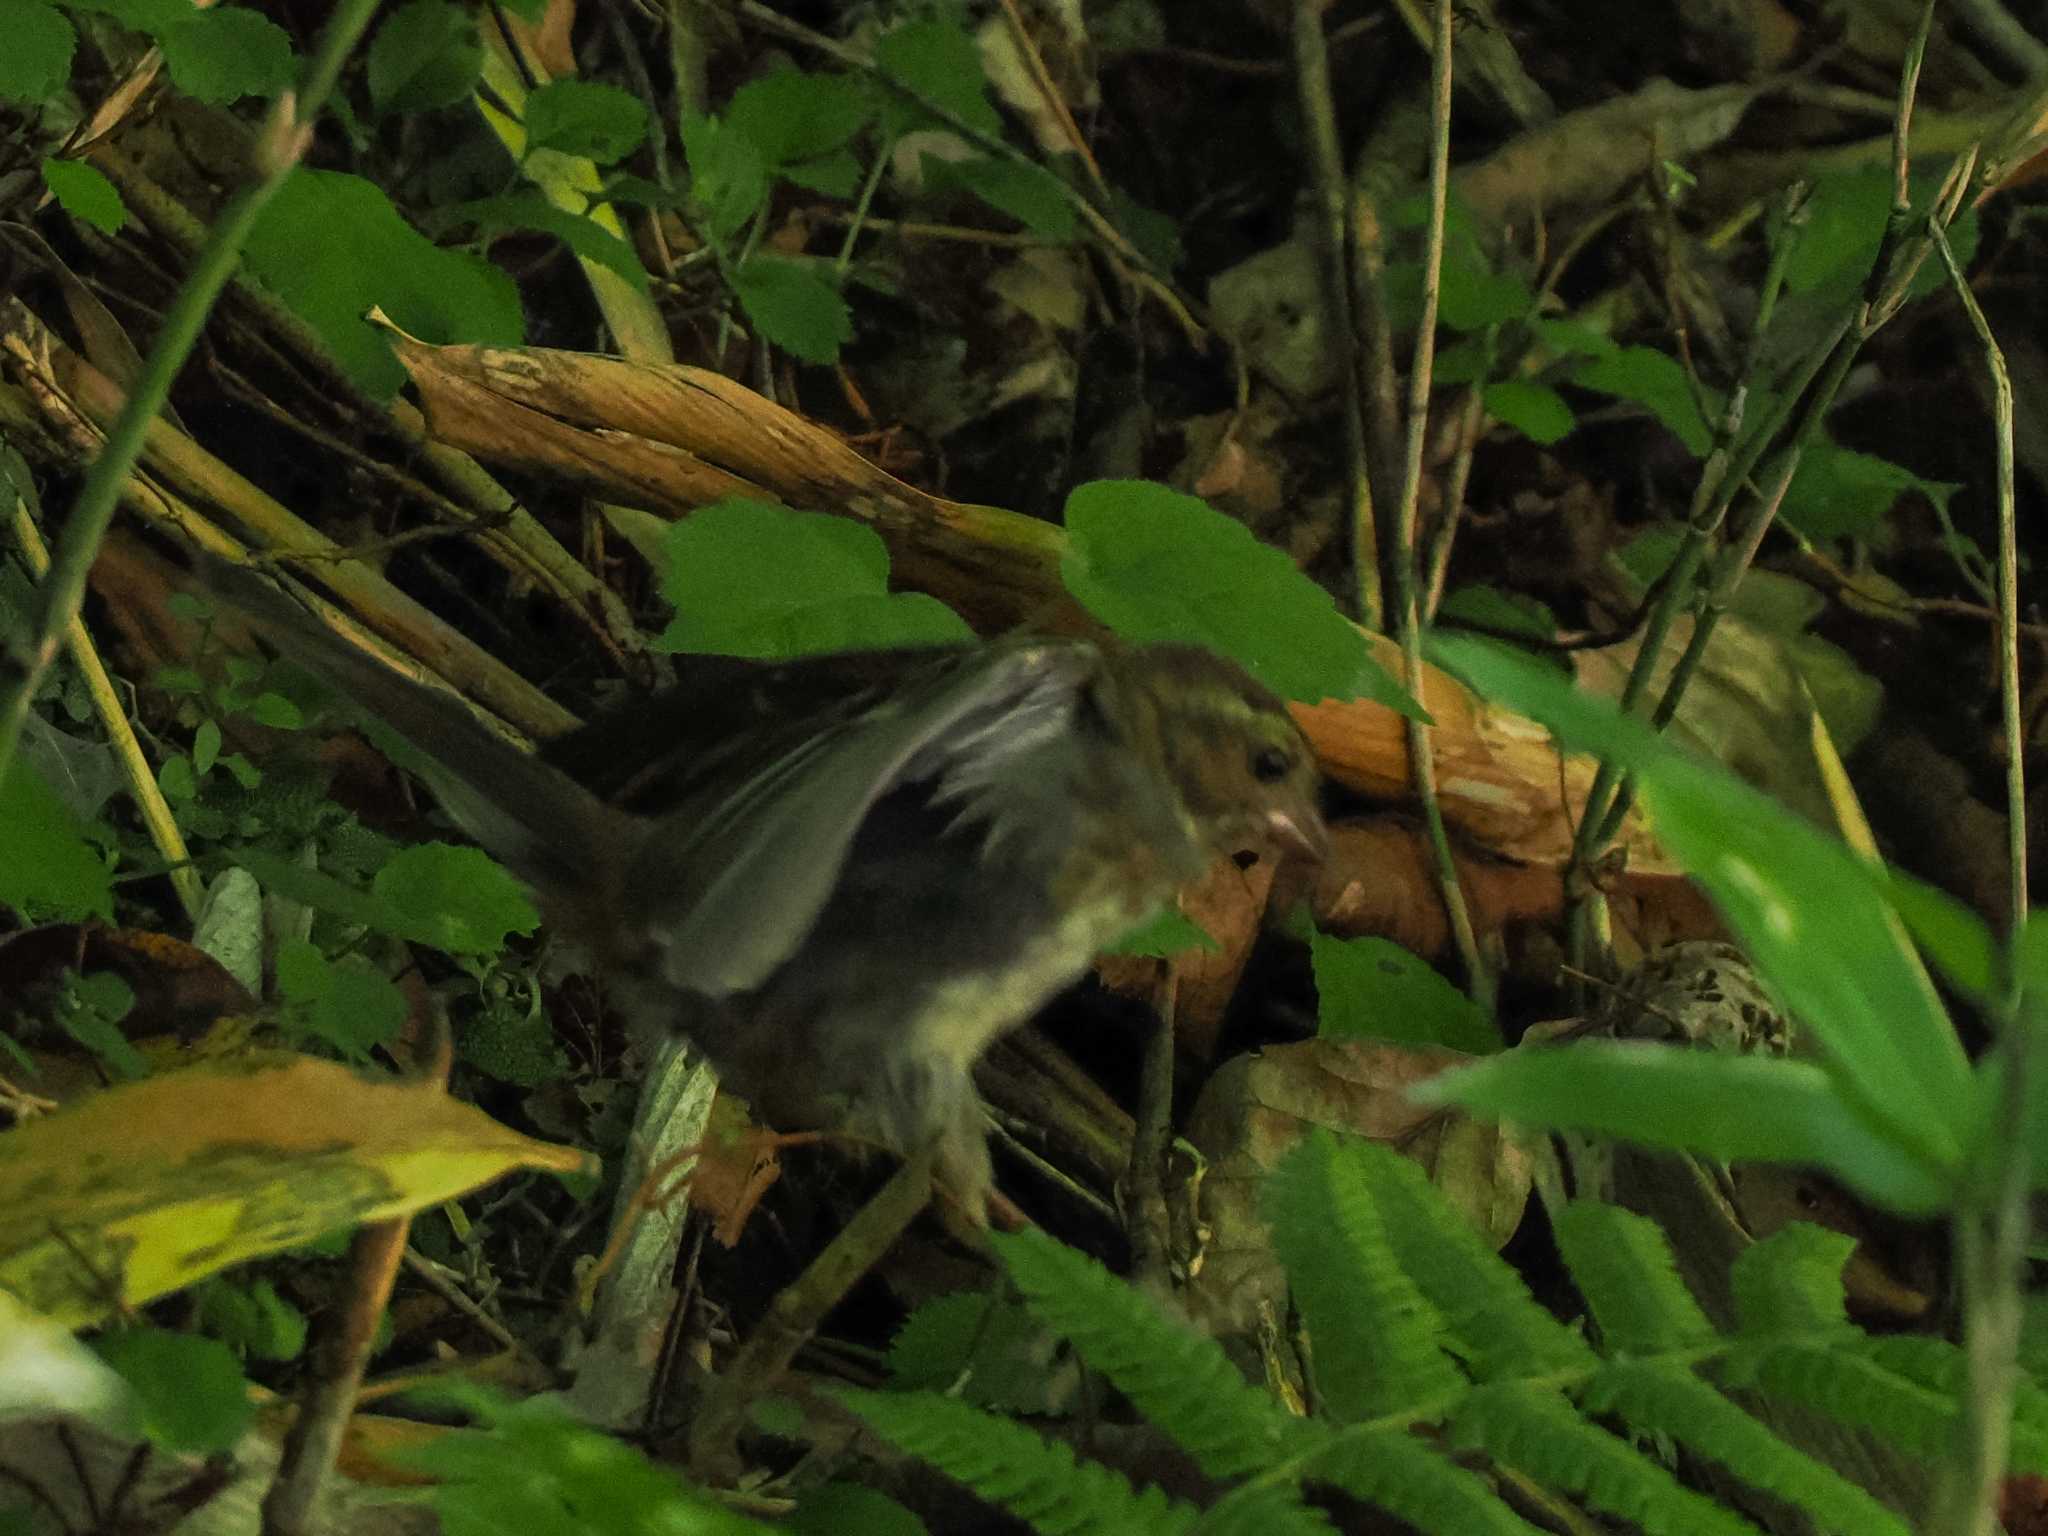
730,891
540,823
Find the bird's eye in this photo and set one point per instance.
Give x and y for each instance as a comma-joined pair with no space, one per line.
1272,764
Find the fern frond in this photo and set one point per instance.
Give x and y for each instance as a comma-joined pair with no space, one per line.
1407,1476
1498,1327
1264,1509
1373,1336
1939,1366
1540,1434
1842,1381
1623,1266
1179,1379
1669,1400
1791,1282
1040,1482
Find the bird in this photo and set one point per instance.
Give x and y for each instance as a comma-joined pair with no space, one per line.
844,876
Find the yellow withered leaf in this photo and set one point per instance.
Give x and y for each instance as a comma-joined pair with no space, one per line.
147,1187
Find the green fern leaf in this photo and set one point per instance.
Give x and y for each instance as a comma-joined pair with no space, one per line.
1496,1326
1655,1398
1372,1334
1840,1380
1623,1266
1179,1379
1039,1482
1538,1433
1939,1366
1791,1282
1407,1476
1264,1509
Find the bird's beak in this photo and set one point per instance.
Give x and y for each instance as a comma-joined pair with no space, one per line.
1300,830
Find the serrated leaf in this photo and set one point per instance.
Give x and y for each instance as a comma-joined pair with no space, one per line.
1535,410
791,117
1840,493
938,60
426,54
530,210
1157,565
749,578
728,176
146,1188
454,898
85,193
794,308
190,1395
367,256
228,52
982,1348
1656,381
1030,194
1373,989
585,118
47,869
344,1003
36,62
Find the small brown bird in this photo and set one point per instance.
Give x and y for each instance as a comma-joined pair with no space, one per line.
845,876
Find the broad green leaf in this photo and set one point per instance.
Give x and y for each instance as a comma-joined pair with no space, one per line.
585,118
85,194
47,868
1840,493
1155,234
1763,1109
530,210
1535,410
1813,916
1156,565
91,1011
1172,932
1954,937
1843,222
1470,298
205,747
728,176
834,1509
36,62
794,308
1373,989
368,256
1030,194
228,52
937,59
426,54
190,1395
218,1165
1656,381
454,898
346,1003
252,1319
1507,613
791,117
749,578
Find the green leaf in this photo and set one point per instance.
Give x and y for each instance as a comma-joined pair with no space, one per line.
1470,298
1030,194
749,578
1373,989
36,63
47,869
275,711
938,60
226,53
838,1509
252,1319
85,193
728,176
1157,565
176,779
1535,410
1155,234
1840,493
1814,917
1730,1107
1654,380
190,1395
586,118
791,117
794,308
425,55
1791,1282
1842,224
205,747
530,210
514,1045
1623,1265
368,256
348,1004
1171,932
91,1013
1507,613
983,1349
458,899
